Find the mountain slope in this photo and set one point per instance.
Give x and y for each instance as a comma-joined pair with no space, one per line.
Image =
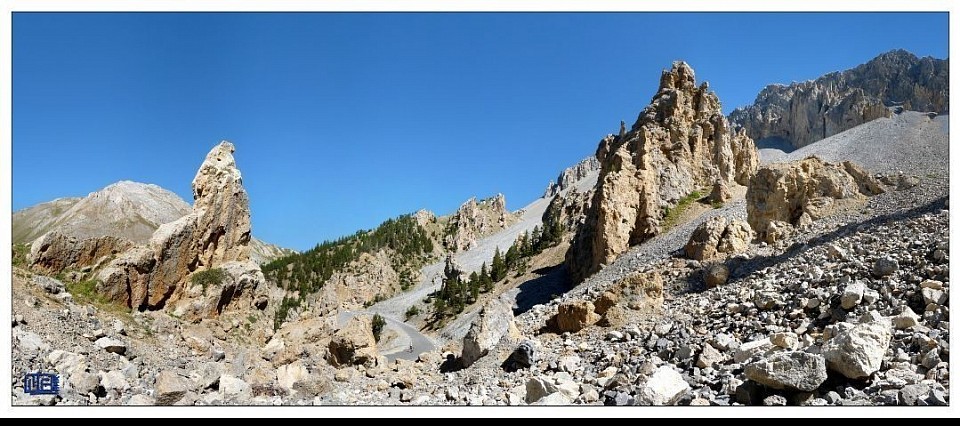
127,210
802,113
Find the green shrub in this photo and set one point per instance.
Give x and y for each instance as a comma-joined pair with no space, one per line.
214,276
412,311
378,324
20,254
672,215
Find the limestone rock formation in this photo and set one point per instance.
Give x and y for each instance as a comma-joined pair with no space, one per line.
474,220
716,236
54,251
361,282
354,344
216,234
805,112
486,331
571,175
801,192
680,143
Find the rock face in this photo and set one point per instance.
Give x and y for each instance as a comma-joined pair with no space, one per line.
803,113
369,276
474,220
801,192
571,175
54,251
680,143
716,237
354,343
491,325
216,234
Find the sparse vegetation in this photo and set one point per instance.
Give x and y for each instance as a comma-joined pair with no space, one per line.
281,315
378,324
212,276
86,292
672,215
716,204
20,254
457,292
412,311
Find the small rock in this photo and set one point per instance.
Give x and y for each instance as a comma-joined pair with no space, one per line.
789,370
664,387
749,349
539,387
913,394
231,386
885,266
785,340
556,398
930,359
169,388
569,363
614,335
852,295
905,319
111,345
140,399
709,356
775,400
119,328
931,295
716,275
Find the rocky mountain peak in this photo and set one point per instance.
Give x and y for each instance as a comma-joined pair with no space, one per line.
474,220
680,143
808,111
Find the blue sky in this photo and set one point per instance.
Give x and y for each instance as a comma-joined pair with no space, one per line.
344,120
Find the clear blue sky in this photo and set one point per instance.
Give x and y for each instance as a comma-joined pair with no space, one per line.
344,120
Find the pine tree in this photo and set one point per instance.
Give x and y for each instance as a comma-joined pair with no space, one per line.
513,254
474,286
498,269
485,281
537,240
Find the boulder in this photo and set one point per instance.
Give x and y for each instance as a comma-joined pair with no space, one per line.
716,237
354,344
792,370
573,316
485,332
716,275
857,351
680,144
56,251
801,192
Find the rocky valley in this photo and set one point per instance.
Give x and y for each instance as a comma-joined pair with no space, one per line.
678,265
